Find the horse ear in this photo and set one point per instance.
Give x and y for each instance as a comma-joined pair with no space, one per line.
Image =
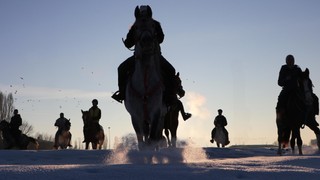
137,12
178,74
307,72
149,11
81,110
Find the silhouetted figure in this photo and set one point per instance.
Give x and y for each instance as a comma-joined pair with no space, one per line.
311,109
60,123
15,123
221,121
288,80
95,114
127,67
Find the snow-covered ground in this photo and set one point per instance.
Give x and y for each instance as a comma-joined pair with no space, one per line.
247,162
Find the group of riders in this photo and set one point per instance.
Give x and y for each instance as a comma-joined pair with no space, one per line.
62,123
288,76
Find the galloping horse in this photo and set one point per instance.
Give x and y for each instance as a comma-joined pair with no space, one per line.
171,119
220,137
144,92
93,132
292,118
64,137
10,142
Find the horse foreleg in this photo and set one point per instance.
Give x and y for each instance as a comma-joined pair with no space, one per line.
293,143
94,145
166,132
279,152
299,142
174,137
87,145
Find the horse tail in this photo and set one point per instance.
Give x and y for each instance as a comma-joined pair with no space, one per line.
34,141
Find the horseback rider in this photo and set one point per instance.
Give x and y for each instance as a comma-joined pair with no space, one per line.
95,114
221,121
288,77
60,123
15,123
313,110
125,69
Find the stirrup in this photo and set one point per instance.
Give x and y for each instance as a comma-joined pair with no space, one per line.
116,96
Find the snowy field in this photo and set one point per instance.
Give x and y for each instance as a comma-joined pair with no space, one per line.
246,162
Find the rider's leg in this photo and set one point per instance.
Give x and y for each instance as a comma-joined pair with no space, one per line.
124,70
213,133
168,76
185,115
227,136
281,100
70,136
56,139
84,133
16,135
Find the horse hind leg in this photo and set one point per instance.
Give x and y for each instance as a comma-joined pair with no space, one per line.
318,141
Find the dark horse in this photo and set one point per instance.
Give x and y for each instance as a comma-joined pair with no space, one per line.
64,137
171,119
9,140
293,117
93,132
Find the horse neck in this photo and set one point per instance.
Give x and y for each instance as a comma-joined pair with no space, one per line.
307,90
147,70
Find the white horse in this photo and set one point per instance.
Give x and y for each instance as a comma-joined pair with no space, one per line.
220,137
144,91
64,138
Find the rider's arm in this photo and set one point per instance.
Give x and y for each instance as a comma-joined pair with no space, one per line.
282,77
160,35
129,42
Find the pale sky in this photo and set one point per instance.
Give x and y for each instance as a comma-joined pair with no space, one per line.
56,56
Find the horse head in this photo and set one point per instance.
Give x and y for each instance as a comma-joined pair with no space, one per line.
178,86
85,117
306,86
4,125
67,125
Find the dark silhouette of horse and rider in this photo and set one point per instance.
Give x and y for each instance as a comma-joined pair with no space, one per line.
12,135
219,133
297,105
147,77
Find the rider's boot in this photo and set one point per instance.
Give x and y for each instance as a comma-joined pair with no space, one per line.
118,96
186,116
